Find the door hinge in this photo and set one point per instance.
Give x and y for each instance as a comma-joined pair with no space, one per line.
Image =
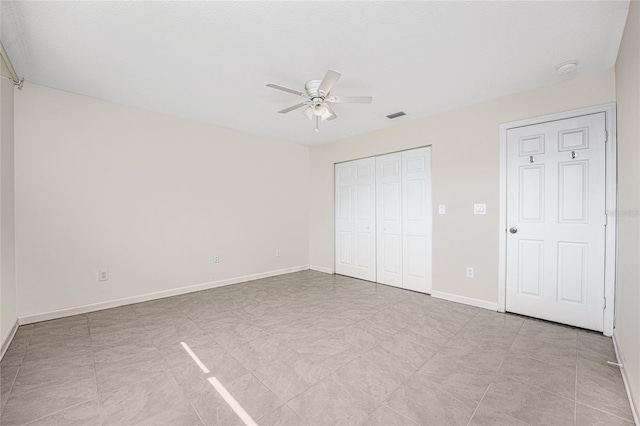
604,303
605,219
606,136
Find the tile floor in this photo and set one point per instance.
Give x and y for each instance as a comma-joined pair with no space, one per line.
309,348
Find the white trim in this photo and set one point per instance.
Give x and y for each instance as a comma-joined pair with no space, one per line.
9,339
45,316
492,306
610,204
321,269
634,400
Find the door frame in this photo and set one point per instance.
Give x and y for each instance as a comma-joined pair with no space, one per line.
610,204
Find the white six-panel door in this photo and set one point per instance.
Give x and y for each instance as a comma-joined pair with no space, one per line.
416,219
385,234
556,220
389,218
355,219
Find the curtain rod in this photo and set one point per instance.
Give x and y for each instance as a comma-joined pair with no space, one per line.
14,77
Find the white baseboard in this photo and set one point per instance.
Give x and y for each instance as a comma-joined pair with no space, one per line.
634,400
76,310
321,269
8,340
465,300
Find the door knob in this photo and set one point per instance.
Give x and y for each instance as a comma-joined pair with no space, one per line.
513,230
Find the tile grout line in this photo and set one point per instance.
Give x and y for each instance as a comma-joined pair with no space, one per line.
630,421
57,412
95,372
479,402
24,355
575,390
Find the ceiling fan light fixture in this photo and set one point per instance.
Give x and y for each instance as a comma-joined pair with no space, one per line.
319,108
308,112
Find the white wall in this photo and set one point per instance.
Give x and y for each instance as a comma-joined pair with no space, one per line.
465,157
7,212
147,196
627,329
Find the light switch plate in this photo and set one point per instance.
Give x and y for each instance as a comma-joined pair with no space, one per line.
479,209
441,209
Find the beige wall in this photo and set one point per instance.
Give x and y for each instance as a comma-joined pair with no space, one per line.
465,157
7,212
627,329
151,198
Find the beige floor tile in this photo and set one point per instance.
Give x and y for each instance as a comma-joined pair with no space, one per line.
388,321
174,354
484,355
167,332
41,350
552,378
256,399
282,416
117,336
24,407
260,351
587,416
34,374
385,416
339,360
210,406
527,404
459,377
600,386
289,376
127,371
486,416
550,352
324,347
157,400
85,414
377,372
7,377
426,402
413,353
363,335
237,334
332,401
595,346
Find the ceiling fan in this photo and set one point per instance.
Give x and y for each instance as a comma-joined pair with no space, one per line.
318,99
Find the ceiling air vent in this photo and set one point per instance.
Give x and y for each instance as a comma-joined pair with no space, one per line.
396,115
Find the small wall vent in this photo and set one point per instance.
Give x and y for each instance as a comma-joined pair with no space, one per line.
396,115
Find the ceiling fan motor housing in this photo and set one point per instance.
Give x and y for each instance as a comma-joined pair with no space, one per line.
311,87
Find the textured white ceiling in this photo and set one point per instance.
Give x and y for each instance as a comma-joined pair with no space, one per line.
210,61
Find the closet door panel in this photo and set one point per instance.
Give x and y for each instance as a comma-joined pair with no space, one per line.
389,219
365,215
416,219
344,219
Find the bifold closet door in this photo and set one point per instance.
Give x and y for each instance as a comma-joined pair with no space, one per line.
355,219
389,219
416,220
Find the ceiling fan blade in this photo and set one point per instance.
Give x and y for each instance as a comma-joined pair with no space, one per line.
286,110
350,99
286,89
329,80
